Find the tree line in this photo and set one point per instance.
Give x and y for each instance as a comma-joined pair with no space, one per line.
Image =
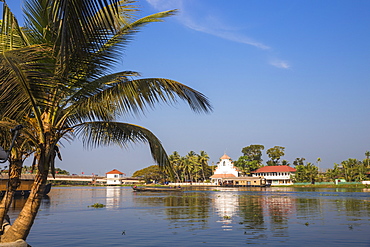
192,167
352,170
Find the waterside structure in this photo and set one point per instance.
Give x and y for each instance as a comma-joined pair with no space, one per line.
276,175
226,174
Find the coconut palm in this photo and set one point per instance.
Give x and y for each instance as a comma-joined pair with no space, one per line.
367,154
174,160
318,163
194,167
56,73
203,159
20,151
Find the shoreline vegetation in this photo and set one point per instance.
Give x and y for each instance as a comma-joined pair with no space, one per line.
354,186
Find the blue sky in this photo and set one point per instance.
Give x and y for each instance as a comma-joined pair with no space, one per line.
290,73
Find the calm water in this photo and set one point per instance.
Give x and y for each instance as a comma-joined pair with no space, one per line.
202,217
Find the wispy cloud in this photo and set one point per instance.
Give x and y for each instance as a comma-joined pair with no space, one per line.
210,24
279,64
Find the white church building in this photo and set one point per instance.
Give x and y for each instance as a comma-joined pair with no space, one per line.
225,169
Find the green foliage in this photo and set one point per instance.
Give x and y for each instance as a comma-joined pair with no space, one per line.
193,167
246,166
275,154
336,172
299,161
151,173
96,205
251,159
354,170
253,152
306,173
61,172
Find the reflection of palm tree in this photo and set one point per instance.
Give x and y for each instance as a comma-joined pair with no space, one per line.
58,79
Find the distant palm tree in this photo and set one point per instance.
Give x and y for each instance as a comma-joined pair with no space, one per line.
367,154
318,163
175,162
54,77
203,160
192,165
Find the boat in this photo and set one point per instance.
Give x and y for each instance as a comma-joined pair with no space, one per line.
24,188
156,189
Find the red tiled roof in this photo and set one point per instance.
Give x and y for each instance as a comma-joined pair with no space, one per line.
114,171
223,176
275,169
225,157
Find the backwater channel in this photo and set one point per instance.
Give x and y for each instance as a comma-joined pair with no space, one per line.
201,217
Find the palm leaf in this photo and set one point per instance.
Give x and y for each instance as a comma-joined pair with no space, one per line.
11,35
134,97
25,81
96,64
96,134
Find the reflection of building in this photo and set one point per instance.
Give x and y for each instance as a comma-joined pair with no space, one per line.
225,169
276,175
113,196
226,205
114,177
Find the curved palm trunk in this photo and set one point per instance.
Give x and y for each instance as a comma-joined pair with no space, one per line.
22,225
204,177
13,183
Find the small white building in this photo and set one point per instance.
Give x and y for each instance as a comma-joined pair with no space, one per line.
276,175
114,177
225,169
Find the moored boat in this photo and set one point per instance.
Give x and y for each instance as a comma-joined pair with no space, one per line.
156,189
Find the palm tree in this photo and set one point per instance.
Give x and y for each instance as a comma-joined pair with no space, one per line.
203,160
16,158
318,163
54,74
191,165
175,160
367,154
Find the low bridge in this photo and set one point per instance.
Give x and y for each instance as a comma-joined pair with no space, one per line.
74,178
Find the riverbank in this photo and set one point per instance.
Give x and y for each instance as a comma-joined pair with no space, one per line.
213,185
359,186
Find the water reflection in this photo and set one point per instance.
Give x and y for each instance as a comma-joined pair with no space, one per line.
226,205
113,197
217,217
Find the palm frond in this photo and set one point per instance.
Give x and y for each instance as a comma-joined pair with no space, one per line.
135,97
96,64
11,35
76,28
96,134
25,81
